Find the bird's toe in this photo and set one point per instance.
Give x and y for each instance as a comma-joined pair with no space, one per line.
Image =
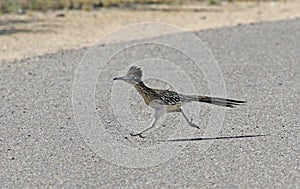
137,134
194,125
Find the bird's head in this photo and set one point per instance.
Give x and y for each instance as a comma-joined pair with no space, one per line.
133,76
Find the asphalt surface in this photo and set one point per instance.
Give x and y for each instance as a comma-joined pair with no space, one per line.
41,146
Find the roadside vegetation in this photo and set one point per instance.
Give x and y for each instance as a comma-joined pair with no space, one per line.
21,6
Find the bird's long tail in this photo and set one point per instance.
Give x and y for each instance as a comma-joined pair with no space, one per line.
216,101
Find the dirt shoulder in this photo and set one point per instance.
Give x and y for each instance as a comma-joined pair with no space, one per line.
24,36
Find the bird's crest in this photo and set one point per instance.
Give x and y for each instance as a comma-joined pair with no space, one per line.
135,72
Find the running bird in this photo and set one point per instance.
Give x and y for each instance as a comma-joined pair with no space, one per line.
166,101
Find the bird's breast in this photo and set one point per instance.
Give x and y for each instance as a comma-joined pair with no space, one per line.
145,93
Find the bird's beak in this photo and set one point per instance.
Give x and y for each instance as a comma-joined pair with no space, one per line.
119,78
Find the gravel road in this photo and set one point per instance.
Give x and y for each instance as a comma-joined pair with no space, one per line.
41,146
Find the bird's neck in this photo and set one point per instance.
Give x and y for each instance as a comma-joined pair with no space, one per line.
141,84
144,91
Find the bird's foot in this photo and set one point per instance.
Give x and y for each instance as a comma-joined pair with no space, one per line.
193,125
137,134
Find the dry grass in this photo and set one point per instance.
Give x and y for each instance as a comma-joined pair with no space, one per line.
20,6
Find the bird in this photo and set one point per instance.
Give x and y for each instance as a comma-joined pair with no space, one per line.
167,101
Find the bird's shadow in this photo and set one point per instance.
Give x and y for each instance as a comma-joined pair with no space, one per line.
211,138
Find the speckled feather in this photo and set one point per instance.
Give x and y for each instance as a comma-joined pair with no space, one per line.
173,98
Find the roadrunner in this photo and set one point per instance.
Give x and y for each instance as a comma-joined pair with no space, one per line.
166,101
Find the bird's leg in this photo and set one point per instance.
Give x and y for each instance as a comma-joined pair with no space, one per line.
140,133
159,112
189,121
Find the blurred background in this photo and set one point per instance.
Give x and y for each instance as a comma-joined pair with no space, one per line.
21,6
34,27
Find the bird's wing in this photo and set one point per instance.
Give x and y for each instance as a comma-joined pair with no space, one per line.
168,97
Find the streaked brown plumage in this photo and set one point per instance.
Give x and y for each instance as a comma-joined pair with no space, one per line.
165,101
